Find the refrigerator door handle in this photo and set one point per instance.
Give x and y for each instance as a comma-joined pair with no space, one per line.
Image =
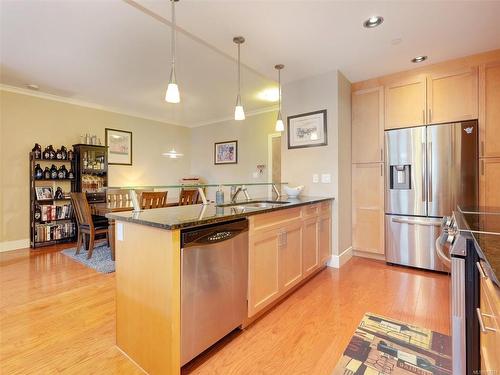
417,222
430,172
423,172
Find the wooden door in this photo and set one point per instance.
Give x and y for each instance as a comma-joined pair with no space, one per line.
310,253
452,96
263,269
368,208
368,125
489,110
489,185
405,103
291,255
324,238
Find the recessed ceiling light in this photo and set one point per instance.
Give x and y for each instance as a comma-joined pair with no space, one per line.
373,21
418,59
269,94
32,86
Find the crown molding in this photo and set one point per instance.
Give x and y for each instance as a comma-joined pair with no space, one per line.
255,112
81,103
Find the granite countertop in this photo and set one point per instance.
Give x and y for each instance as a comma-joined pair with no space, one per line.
194,215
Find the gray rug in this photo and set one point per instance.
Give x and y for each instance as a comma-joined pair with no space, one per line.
100,261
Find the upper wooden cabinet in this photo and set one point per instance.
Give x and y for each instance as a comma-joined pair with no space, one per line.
433,98
489,114
368,208
405,103
452,96
368,125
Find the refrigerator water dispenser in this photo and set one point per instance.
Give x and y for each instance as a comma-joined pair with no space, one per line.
400,177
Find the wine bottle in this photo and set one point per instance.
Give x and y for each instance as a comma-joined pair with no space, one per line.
46,173
38,172
53,172
37,151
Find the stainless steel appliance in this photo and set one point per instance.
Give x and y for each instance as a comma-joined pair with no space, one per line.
429,170
213,284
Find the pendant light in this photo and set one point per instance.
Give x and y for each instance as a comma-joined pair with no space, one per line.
279,121
172,95
239,112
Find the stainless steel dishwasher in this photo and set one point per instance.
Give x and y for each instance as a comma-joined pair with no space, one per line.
213,284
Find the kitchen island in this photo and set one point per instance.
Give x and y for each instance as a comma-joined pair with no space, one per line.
289,241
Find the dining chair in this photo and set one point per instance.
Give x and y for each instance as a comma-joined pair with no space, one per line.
117,195
187,197
89,225
153,199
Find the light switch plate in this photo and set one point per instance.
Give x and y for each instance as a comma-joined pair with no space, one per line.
315,178
119,231
326,178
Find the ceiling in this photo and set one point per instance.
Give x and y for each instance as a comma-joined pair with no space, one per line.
116,53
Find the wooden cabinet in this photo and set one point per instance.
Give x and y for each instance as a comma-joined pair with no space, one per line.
489,186
405,103
489,317
368,208
263,269
452,96
368,125
291,251
324,238
489,114
433,98
310,248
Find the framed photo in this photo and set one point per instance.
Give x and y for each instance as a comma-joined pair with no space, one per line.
119,144
44,193
307,130
226,152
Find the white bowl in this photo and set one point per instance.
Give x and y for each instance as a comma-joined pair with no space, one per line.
293,192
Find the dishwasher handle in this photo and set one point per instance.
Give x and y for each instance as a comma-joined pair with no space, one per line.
213,233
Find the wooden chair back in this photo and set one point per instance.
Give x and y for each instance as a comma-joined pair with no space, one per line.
82,209
118,195
188,197
153,199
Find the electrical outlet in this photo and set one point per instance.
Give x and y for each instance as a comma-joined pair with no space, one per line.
315,178
326,178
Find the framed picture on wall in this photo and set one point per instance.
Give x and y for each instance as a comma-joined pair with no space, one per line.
307,130
226,152
119,144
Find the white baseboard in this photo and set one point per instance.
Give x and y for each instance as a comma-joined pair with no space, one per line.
14,245
337,261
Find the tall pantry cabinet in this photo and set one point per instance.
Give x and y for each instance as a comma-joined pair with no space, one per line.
368,171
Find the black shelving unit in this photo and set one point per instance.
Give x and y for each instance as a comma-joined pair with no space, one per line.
57,224
90,165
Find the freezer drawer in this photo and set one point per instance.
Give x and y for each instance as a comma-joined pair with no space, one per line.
410,241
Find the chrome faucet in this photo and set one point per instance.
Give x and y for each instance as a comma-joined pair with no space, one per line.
238,190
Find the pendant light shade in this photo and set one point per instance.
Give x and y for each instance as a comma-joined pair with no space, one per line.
173,95
279,121
239,112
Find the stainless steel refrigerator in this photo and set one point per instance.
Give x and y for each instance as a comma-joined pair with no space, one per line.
429,170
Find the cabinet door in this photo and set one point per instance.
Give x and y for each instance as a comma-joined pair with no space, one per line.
291,255
263,269
405,103
490,315
489,177
325,238
368,125
452,96
368,207
489,110
310,249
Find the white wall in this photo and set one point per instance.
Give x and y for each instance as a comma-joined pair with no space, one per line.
252,135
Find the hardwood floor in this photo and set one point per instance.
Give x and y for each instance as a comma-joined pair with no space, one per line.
56,316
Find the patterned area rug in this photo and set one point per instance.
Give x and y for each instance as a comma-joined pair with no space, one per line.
101,258
385,346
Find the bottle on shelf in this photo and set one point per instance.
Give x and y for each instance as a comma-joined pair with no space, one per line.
37,151
46,173
64,153
53,172
62,172
85,160
71,154
38,213
59,154
71,174
38,172
59,193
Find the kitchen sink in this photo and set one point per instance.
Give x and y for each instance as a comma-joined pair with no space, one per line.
255,204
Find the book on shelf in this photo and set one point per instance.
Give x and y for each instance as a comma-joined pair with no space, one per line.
51,232
50,212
